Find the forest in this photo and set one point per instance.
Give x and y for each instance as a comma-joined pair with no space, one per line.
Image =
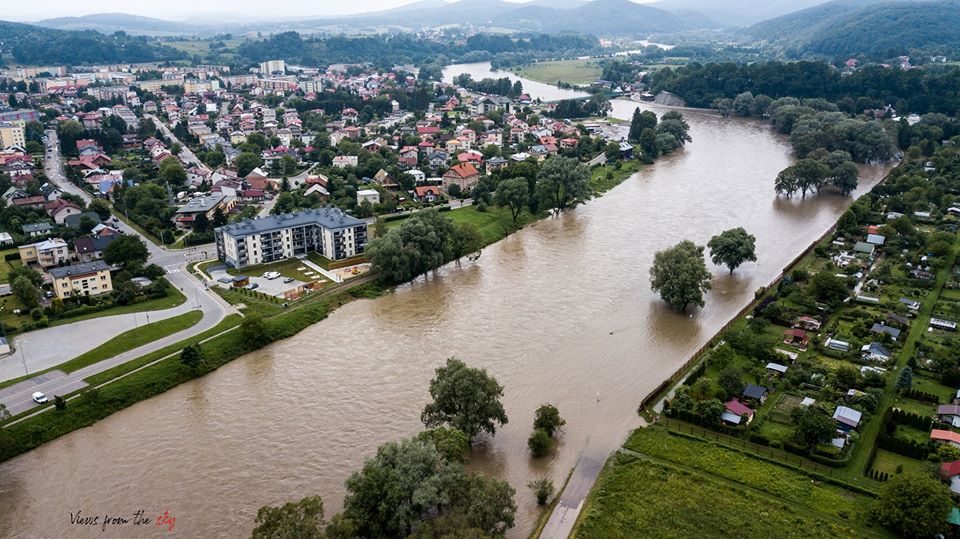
32,45
936,89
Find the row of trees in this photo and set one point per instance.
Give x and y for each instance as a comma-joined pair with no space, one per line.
658,138
834,169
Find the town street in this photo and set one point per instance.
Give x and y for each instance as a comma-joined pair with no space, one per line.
186,156
49,347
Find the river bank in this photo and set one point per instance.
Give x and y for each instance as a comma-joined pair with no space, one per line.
558,311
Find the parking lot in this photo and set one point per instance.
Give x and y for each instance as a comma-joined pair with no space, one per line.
290,269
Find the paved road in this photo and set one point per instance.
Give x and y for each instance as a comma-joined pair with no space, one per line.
186,156
84,336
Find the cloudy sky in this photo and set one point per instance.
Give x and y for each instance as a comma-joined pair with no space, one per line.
181,9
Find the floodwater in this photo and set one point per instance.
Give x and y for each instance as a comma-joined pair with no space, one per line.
560,312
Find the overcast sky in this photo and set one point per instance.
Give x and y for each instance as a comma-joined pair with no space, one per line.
181,9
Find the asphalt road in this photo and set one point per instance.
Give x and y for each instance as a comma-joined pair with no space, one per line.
17,397
186,156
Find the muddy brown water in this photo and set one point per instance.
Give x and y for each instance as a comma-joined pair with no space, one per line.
560,312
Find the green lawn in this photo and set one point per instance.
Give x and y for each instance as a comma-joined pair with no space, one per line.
638,498
493,224
887,462
934,387
580,72
600,183
6,266
783,482
914,406
173,299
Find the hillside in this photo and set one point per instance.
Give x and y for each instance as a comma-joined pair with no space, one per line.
738,13
604,17
33,45
109,23
865,27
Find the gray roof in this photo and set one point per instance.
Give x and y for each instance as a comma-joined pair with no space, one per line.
37,227
847,416
201,204
754,392
327,217
79,269
73,221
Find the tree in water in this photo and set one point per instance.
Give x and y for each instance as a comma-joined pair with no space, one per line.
732,248
465,398
680,275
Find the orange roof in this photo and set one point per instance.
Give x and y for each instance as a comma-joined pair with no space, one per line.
950,469
945,436
464,170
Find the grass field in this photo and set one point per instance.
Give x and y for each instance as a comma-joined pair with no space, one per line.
493,224
785,483
571,71
888,462
640,498
286,268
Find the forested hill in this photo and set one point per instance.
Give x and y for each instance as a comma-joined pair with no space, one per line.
866,28
33,45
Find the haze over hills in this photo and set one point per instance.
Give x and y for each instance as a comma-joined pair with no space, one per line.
870,27
108,23
736,13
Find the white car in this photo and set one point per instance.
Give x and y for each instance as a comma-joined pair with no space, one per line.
271,275
39,398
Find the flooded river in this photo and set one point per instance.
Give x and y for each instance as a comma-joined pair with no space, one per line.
560,312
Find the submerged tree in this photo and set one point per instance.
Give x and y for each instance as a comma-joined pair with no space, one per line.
680,275
732,248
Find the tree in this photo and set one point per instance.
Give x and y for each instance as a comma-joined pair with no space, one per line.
731,380
101,207
26,292
547,418
176,148
845,177
172,172
466,241
452,444
710,410
126,250
539,443
407,483
804,175
812,426
914,505
514,194
829,288
4,413
680,275
59,403
191,356
219,219
246,162
562,181
465,398
292,520
732,248
254,332
640,122
201,224
648,145
542,488
905,381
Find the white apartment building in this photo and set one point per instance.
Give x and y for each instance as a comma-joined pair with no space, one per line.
327,231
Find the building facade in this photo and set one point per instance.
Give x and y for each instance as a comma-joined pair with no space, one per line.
89,279
327,231
46,253
11,134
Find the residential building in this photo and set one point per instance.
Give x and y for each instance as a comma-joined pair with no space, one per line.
11,134
87,279
370,195
273,66
89,249
186,214
46,254
464,175
327,231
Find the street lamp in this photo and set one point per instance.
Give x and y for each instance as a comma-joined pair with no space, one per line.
23,358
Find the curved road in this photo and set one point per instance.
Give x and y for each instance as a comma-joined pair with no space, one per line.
39,350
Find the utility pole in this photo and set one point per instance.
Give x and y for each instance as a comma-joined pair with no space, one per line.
23,358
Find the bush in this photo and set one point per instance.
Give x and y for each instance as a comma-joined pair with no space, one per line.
59,403
539,443
542,488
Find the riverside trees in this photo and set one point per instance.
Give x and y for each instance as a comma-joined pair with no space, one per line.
732,248
680,275
465,398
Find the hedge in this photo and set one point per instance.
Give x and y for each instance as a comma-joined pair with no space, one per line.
909,418
921,396
902,446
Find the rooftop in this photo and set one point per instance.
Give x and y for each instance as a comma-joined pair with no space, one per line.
79,269
201,204
327,217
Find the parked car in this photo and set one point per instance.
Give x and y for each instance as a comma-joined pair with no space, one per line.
39,398
271,275
252,286
288,280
